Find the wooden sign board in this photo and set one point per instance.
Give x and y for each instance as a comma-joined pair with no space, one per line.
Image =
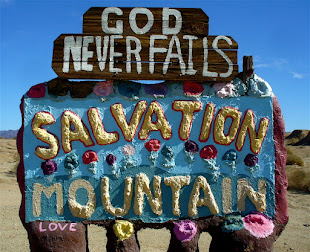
145,44
192,21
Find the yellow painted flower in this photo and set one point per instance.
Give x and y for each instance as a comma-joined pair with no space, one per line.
123,229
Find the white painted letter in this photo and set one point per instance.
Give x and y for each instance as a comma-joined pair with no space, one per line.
102,57
190,70
178,21
75,47
205,71
133,22
220,52
104,21
177,55
87,54
114,54
154,50
133,51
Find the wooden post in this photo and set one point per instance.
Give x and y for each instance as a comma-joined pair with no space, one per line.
248,68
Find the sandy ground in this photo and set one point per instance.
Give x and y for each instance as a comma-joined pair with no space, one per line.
13,237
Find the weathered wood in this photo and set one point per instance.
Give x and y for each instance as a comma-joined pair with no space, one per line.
248,67
173,73
196,55
145,41
194,21
121,47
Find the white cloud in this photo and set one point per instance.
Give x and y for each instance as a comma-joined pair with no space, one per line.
297,75
279,63
262,65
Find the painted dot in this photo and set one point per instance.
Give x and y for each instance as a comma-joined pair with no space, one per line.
208,152
152,145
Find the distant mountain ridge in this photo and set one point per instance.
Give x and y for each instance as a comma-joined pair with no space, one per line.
8,133
298,138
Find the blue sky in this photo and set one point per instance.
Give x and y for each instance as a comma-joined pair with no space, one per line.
276,33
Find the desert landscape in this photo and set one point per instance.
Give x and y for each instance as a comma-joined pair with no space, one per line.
296,236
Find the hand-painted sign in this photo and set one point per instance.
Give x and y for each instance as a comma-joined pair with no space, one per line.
147,152
145,44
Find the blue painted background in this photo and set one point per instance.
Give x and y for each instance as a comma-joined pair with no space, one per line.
262,107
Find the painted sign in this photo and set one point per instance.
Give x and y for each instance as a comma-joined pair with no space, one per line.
145,44
147,152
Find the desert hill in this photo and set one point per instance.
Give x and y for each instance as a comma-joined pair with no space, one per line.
298,137
304,141
8,133
298,164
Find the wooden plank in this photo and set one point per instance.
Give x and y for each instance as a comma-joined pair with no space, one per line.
216,61
194,21
197,50
145,41
173,72
213,57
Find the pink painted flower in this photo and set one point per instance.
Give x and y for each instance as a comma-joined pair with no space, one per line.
192,88
185,230
224,89
208,152
37,91
89,157
152,145
128,150
258,224
103,88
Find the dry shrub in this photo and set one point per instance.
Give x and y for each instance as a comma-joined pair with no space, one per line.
293,159
289,151
299,178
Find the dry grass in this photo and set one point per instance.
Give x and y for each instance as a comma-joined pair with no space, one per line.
299,178
298,160
293,159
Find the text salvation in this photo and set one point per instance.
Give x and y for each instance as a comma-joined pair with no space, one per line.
79,132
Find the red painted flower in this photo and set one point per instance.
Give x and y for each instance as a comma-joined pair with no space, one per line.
152,145
192,88
89,156
208,152
37,91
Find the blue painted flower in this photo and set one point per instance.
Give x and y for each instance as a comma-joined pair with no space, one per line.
129,89
71,163
168,154
229,158
156,89
233,222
